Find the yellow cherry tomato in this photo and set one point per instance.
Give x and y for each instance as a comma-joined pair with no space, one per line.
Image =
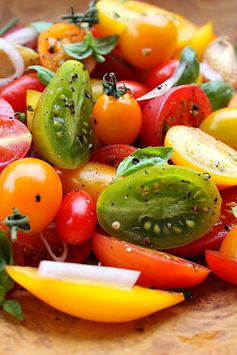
228,247
222,124
115,15
94,302
148,41
91,177
32,98
196,149
201,39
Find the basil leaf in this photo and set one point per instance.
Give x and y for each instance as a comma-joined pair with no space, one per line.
191,71
14,308
2,294
44,75
218,92
40,26
143,158
97,47
234,210
6,281
5,251
9,25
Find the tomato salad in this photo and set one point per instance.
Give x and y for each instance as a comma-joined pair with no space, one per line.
117,149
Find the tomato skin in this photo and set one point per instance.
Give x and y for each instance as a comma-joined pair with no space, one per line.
33,187
158,269
224,268
213,239
117,120
76,218
228,247
15,140
138,42
182,105
136,89
222,124
112,154
91,177
161,73
15,92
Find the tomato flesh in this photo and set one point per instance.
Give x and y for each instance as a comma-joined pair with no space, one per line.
182,105
158,269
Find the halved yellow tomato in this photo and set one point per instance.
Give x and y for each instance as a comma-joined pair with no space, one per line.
115,15
196,149
222,124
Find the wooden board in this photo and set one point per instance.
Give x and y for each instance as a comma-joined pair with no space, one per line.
206,324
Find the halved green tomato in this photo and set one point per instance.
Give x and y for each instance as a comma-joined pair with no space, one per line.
115,15
160,207
198,150
62,120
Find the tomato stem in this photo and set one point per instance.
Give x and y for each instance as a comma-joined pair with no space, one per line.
110,86
16,222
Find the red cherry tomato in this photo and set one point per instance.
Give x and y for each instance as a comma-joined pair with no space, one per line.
161,73
15,92
182,105
15,140
136,89
224,268
76,219
112,154
213,239
158,269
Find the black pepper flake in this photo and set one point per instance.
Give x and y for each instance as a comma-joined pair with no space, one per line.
227,228
135,160
38,198
29,108
95,122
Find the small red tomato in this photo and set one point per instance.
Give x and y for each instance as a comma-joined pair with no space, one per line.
112,154
137,90
76,219
161,73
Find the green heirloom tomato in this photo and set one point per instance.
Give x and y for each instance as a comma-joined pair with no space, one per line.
160,206
62,121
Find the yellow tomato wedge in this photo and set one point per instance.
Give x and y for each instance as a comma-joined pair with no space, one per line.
115,15
196,149
93,302
32,98
201,39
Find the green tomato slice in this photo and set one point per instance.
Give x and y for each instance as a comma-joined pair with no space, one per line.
160,207
61,129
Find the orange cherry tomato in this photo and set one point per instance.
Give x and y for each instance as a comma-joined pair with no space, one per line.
148,41
34,188
50,45
228,247
91,177
117,120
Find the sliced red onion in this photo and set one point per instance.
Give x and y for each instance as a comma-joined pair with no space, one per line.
26,36
6,109
64,254
15,58
166,85
209,73
89,274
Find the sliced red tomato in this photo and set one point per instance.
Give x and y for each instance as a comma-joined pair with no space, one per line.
182,105
158,269
136,89
213,239
15,140
224,268
112,154
6,109
15,92
161,73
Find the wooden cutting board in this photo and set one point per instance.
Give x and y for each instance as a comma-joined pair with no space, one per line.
205,324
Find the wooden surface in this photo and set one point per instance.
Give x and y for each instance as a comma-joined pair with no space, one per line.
207,324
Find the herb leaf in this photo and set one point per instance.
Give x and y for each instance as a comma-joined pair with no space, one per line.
14,308
89,18
44,75
40,26
97,47
218,92
234,210
143,158
9,25
5,251
191,71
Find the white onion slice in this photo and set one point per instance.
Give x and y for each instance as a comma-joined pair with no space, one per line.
23,36
15,58
166,85
89,274
209,73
